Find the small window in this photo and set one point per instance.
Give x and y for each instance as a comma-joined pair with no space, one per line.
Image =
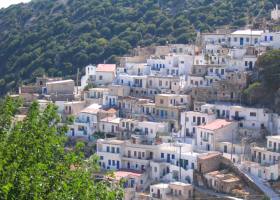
253,114
256,40
100,77
162,155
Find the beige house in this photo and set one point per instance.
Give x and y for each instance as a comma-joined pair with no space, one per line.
105,74
209,162
60,87
221,181
73,107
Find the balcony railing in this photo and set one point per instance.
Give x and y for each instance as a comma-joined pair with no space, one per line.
78,120
237,118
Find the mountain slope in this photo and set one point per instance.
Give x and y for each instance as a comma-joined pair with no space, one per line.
56,37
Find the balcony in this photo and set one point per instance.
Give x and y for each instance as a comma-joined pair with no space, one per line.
82,121
157,196
205,139
237,118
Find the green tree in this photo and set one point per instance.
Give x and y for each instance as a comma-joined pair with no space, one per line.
268,66
35,165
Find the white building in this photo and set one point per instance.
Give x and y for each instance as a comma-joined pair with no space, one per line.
86,122
161,161
208,136
264,161
171,64
252,118
241,38
271,39
275,14
191,119
89,77
102,74
171,191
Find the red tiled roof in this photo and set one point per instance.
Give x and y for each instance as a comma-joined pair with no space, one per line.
106,68
125,173
215,125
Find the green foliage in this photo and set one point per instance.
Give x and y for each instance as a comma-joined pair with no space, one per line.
265,91
269,69
35,165
89,86
55,37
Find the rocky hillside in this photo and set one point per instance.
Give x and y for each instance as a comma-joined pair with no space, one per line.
56,37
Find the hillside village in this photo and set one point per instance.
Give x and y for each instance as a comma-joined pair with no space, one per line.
170,119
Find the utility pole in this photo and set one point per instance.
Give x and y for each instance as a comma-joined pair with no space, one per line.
77,80
231,145
180,165
180,169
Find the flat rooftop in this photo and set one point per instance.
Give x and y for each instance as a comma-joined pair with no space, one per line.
248,32
60,82
161,186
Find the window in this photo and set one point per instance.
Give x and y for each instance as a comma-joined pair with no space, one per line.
118,150
194,119
253,114
113,162
101,157
155,169
173,156
113,149
109,162
235,39
108,149
100,77
256,40
271,38
161,101
162,155
246,63
247,40
160,83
